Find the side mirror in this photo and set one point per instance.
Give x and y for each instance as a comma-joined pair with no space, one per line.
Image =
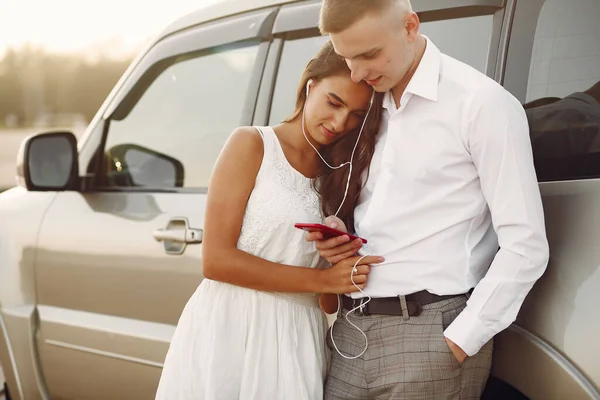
48,162
131,165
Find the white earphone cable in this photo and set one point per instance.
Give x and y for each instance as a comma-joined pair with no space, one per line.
353,150
355,268
361,305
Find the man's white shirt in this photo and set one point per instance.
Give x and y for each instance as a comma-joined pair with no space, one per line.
452,189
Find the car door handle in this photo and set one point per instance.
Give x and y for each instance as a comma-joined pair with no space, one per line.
177,235
189,236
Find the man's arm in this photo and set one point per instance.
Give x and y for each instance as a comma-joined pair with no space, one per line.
498,136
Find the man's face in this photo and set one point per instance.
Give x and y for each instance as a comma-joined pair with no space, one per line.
378,49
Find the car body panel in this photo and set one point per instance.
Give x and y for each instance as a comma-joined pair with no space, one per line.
21,213
559,309
109,295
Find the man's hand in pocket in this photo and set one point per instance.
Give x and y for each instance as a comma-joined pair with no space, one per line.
457,351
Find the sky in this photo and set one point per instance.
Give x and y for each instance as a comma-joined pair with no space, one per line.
117,26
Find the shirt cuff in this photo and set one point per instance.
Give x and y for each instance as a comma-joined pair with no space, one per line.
468,332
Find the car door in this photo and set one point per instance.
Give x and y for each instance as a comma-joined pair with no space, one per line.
117,261
553,68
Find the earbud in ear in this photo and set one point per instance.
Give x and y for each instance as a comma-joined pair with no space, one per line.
310,81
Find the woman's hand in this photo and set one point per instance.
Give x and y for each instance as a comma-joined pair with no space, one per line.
338,248
337,278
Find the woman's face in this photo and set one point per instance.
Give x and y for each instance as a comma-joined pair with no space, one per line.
335,106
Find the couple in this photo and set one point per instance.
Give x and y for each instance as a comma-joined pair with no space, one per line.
441,184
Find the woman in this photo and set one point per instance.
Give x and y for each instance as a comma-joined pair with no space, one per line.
253,329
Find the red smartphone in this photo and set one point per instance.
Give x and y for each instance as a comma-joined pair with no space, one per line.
326,231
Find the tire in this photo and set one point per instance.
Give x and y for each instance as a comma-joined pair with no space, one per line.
4,391
497,389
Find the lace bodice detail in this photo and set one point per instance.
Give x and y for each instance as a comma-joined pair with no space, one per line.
281,197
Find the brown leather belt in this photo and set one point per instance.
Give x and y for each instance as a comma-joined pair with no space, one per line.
392,305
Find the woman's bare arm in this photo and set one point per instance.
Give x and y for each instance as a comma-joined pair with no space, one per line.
329,303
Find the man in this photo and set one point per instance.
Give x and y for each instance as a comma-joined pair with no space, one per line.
452,179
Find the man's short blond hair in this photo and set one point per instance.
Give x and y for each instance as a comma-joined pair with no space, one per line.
339,15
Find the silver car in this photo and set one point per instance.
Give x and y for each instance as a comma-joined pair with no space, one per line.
100,241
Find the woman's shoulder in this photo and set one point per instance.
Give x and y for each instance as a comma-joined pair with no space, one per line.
241,156
249,135
245,140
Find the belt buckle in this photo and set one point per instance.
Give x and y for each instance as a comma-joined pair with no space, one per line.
359,307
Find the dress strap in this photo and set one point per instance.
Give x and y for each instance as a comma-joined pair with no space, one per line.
272,148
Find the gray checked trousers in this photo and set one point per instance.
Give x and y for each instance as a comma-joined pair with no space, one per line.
405,359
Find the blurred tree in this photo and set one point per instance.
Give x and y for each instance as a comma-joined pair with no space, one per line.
11,93
35,84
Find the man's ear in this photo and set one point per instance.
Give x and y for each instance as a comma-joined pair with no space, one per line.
411,24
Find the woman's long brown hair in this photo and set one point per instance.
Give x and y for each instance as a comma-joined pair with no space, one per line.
331,183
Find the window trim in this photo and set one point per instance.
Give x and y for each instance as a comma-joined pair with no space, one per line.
305,15
267,88
515,74
248,27
133,189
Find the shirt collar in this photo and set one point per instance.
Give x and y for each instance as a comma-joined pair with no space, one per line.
424,82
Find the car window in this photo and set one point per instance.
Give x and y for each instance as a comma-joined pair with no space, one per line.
173,134
294,57
467,39
563,91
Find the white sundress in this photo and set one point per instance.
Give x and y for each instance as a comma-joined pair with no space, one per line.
237,343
